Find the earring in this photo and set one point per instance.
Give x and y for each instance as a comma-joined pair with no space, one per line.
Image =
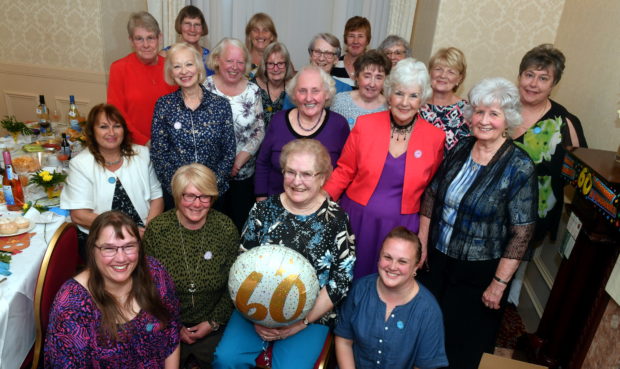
505,133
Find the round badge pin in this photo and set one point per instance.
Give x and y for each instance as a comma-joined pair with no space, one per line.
400,324
208,255
417,154
177,125
112,180
537,130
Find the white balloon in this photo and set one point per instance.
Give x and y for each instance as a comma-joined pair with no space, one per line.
273,285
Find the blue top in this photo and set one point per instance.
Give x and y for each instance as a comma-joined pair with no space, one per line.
456,191
181,136
497,214
340,87
378,343
205,56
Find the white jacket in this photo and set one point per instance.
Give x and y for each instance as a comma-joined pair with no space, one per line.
89,186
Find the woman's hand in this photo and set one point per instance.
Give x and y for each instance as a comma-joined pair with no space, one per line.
274,334
240,160
493,295
190,335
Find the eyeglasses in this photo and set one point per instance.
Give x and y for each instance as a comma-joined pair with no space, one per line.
148,39
271,65
395,52
290,175
327,54
190,197
110,251
191,25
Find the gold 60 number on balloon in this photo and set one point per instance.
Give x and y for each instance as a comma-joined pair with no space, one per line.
273,285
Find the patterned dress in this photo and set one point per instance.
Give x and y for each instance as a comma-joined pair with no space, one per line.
324,238
74,339
545,143
449,118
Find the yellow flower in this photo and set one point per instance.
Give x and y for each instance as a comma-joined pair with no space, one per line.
47,178
26,206
44,173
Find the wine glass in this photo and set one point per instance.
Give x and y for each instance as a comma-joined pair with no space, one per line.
56,116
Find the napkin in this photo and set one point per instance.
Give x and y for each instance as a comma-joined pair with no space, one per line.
34,216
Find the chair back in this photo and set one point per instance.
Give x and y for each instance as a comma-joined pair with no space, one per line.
60,263
324,361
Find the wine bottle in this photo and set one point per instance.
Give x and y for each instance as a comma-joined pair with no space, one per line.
11,186
43,115
65,149
73,115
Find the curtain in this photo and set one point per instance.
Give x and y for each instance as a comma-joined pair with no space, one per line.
297,21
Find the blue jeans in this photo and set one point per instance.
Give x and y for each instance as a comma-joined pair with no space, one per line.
240,346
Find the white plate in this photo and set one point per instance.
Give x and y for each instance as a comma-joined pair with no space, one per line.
21,231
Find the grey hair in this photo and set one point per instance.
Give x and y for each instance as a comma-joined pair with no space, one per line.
213,62
500,91
394,40
144,20
330,39
409,72
328,84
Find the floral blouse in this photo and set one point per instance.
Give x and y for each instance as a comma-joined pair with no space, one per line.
247,111
449,118
324,238
74,339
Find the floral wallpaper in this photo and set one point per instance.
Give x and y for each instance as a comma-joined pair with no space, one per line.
53,33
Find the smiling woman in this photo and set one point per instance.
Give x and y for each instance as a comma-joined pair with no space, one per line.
112,174
136,81
122,303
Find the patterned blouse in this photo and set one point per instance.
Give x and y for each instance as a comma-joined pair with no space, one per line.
270,107
210,253
74,339
344,105
449,118
247,110
497,214
183,136
324,238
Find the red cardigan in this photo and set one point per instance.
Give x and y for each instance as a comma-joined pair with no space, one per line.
134,88
364,154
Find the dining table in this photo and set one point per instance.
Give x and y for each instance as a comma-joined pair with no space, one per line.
17,289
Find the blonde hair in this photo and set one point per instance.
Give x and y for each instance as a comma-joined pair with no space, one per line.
197,175
202,74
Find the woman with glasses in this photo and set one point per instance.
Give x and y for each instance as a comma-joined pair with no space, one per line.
191,26
274,71
197,245
387,162
305,220
356,38
113,174
120,312
395,48
445,109
137,80
312,90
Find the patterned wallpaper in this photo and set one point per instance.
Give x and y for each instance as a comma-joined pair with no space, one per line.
52,33
494,34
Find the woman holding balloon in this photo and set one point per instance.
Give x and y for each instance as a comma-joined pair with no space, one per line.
305,220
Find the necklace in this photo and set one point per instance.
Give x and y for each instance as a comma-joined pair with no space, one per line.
313,127
402,131
112,163
192,285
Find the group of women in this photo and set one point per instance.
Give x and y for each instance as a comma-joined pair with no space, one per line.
246,151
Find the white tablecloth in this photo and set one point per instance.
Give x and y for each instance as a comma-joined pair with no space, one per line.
17,329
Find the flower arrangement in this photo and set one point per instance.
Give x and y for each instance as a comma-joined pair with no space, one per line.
46,179
15,127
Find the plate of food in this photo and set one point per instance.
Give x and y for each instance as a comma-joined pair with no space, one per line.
13,226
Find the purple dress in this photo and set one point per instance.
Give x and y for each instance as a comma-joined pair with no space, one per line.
73,339
371,223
